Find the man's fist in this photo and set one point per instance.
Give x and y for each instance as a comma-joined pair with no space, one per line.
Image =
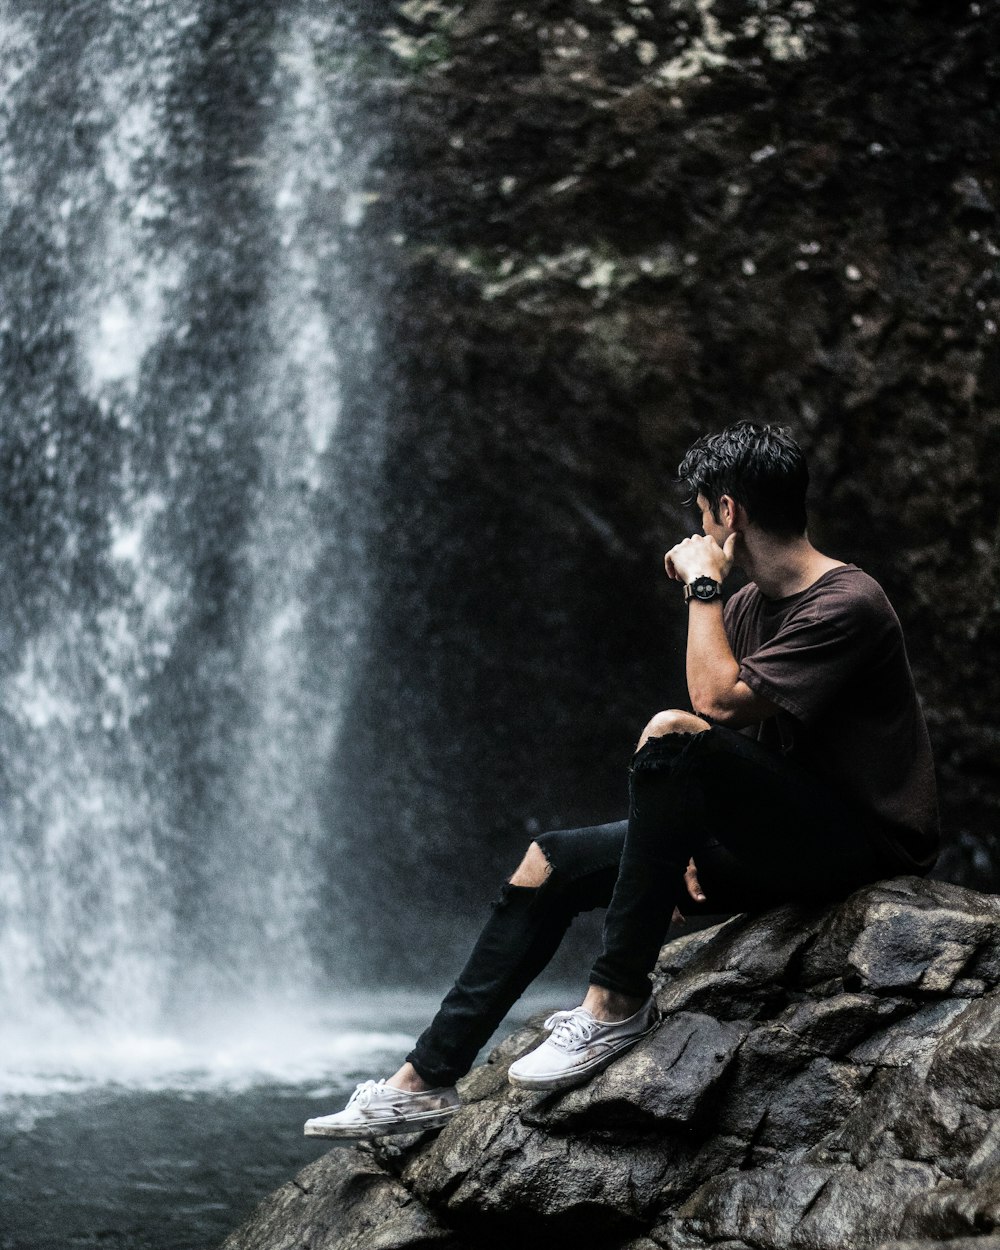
700,556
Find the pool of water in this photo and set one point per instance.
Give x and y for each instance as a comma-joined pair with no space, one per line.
169,1142
165,1169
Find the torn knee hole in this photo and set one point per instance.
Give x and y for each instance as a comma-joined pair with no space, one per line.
534,869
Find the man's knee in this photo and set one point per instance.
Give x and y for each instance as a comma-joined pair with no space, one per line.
673,722
533,869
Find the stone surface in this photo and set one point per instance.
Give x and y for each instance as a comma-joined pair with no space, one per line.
855,1104
357,1207
670,1078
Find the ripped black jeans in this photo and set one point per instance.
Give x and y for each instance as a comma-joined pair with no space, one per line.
761,830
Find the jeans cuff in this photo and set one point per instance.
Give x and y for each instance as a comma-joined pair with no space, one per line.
631,989
436,1078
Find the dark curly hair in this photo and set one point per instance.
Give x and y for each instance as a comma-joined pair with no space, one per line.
761,466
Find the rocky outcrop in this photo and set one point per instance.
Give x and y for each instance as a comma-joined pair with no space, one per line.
823,1079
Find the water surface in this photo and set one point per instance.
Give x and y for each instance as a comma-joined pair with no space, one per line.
169,1142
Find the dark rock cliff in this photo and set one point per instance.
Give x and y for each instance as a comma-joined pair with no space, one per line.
598,228
822,1080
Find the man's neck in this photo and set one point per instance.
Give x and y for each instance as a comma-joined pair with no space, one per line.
783,566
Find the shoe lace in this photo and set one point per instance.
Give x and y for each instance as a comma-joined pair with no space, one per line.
363,1093
571,1029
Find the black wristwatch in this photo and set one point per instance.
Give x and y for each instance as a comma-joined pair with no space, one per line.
704,589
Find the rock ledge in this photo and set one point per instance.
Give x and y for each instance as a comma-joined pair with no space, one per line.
824,1079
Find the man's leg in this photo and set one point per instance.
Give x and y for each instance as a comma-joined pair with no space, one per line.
562,874
660,840
664,858
762,832
616,1014
530,875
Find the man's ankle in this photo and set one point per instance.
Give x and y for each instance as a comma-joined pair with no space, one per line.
408,1079
610,1006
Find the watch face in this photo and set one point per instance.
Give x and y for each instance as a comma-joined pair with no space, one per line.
705,588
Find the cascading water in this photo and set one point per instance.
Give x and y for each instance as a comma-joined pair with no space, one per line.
178,193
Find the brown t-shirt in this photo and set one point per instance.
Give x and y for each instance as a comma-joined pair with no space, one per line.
833,660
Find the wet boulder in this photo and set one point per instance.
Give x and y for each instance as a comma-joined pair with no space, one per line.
855,1102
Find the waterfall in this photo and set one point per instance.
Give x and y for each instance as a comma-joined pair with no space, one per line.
178,197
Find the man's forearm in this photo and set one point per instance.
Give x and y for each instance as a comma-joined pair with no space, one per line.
713,675
712,670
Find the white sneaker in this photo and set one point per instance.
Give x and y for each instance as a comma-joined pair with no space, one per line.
579,1046
376,1109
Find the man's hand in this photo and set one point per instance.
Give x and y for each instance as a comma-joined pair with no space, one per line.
693,888
700,556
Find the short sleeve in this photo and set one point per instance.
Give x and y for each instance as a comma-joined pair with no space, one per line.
734,619
805,666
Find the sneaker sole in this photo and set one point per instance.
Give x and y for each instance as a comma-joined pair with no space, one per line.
567,1080
382,1128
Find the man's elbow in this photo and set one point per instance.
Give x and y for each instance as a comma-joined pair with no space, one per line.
717,714
713,705
735,707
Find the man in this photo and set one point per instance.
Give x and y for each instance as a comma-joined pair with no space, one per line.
803,773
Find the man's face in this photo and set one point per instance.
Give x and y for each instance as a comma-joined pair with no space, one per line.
712,527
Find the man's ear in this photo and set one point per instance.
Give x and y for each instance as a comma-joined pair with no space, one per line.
732,514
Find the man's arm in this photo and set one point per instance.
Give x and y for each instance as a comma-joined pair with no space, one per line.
713,674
